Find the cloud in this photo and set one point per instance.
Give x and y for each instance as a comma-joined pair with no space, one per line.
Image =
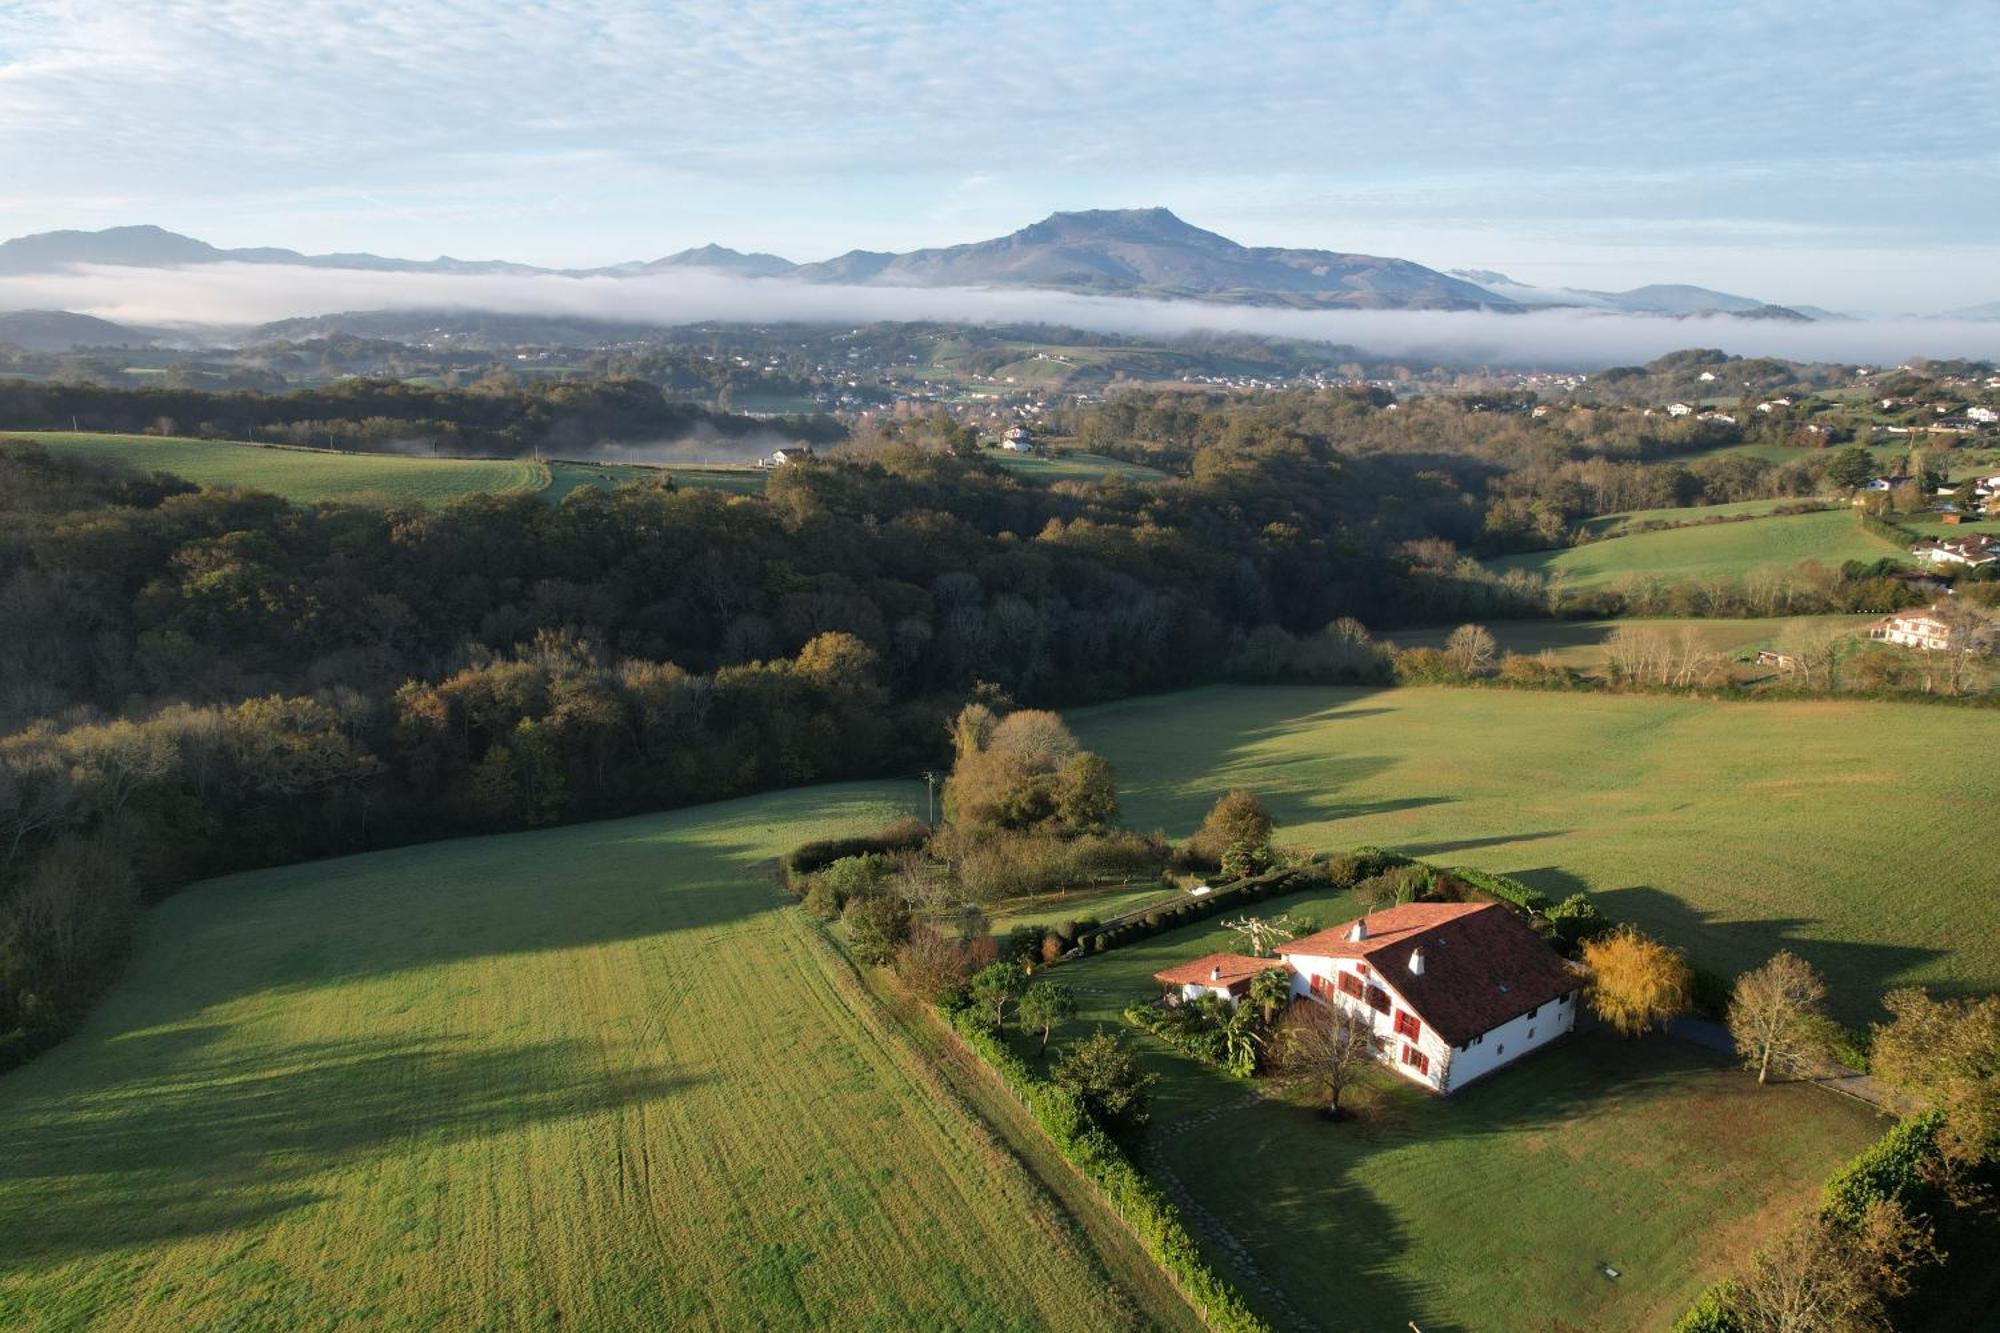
243,294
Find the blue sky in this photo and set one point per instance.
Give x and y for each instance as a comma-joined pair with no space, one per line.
1842,154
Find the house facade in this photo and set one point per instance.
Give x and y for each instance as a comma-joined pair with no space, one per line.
1972,552
1450,991
1913,629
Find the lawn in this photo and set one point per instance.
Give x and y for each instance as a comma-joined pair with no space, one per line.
1622,523
1854,833
1492,1210
1074,467
601,1077
303,475
1579,644
1717,550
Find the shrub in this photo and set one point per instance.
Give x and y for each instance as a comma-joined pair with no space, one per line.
1897,1168
1576,919
876,927
809,858
1711,1314
1236,822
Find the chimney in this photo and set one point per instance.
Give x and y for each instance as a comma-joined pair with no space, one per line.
1417,962
1215,973
1359,930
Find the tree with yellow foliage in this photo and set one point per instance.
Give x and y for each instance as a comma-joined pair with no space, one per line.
1637,983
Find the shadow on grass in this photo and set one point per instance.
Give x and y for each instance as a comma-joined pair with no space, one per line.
203,1143
1423,849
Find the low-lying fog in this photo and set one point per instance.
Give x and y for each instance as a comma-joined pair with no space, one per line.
244,294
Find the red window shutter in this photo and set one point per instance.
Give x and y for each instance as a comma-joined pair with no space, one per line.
1416,1060
1350,984
1408,1026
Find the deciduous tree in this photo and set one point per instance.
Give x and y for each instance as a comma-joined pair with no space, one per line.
996,986
1945,1054
1043,1005
1776,1019
1106,1078
1637,983
1326,1047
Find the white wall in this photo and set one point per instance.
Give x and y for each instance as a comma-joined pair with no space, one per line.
1450,1068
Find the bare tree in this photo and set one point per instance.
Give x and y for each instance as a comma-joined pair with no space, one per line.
1775,1017
1325,1046
1471,650
1822,1277
1262,934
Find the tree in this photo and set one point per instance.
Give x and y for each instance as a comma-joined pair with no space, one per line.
1262,934
1851,467
1946,1054
1042,1006
1270,991
1471,650
932,964
1237,818
1327,1047
876,926
1823,1277
1086,794
1106,1079
1775,1017
996,986
1637,983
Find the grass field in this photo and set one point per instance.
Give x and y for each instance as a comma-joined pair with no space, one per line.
1853,833
1620,524
1074,467
1719,550
1579,644
599,1078
304,475
1494,1210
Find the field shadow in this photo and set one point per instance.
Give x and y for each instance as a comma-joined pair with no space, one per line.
203,1143
1422,849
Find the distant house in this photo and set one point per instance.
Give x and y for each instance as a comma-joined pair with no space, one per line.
1678,409
780,457
1985,416
1451,991
1723,417
1973,552
1914,629
1782,661
1707,377
1224,975
1018,440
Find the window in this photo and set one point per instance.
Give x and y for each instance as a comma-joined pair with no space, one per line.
1531,1034
1381,1045
1536,1010
1317,985
1416,1060
1362,968
1378,999
1408,1026
1499,1050
1350,985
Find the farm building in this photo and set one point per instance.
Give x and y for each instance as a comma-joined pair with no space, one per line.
1018,440
1224,975
1973,552
1914,629
1453,991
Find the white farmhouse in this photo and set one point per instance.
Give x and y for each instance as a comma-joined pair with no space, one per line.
1018,441
1972,552
1914,629
1452,991
1985,416
1678,409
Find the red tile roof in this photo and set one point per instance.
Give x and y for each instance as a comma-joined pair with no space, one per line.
1235,967
1483,965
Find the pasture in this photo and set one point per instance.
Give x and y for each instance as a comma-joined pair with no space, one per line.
1494,1210
1620,524
301,475
598,1077
1853,833
1074,467
1579,644
1716,550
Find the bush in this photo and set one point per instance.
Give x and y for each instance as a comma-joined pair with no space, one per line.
1711,1314
1576,919
809,858
1896,1169
876,927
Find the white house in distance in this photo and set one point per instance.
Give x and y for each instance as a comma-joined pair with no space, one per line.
1452,991
1224,975
1018,440
1972,552
1913,629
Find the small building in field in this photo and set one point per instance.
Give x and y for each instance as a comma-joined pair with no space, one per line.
1018,440
1782,661
1924,629
1451,991
1224,975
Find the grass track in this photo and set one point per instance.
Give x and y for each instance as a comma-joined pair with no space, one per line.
1854,833
303,475
596,1077
1716,550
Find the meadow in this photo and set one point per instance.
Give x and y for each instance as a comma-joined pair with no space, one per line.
1074,467
1579,644
567,476
1853,833
302,475
598,1077
1621,524
1715,550
1495,1210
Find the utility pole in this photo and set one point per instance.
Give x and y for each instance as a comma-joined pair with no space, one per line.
930,790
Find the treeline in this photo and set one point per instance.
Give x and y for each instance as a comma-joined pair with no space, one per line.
563,417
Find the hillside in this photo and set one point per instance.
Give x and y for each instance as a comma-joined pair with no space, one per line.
62,330
1714,550
302,475
596,1078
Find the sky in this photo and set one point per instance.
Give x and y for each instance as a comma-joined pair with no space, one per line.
1838,154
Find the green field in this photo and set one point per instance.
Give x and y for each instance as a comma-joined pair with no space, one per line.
1579,644
1719,550
1852,833
303,475
1074,467
601,1077
1620,524
1491,1211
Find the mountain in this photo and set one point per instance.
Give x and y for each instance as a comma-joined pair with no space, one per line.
1151,252
1657,299
156,247
61,331
723,260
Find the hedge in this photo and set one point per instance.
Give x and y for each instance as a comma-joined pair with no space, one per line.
1150,1214
1507,889
1198,1042
1893,1168
810,857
